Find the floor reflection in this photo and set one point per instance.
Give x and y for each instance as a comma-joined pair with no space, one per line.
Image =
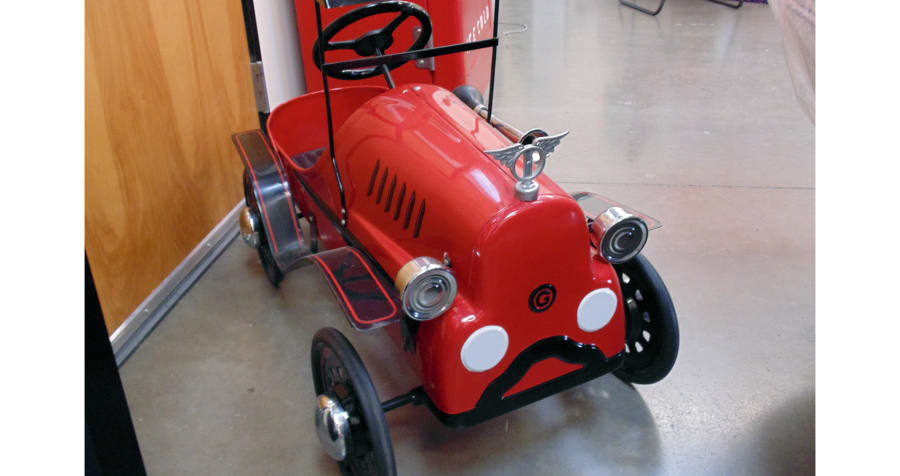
782,441
601,426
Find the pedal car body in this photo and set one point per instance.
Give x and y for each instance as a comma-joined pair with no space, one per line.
431,216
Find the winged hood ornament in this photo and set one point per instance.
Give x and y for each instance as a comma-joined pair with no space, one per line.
534,159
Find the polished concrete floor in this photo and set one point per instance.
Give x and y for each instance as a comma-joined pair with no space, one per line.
690,117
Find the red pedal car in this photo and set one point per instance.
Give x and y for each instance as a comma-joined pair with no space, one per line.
428,214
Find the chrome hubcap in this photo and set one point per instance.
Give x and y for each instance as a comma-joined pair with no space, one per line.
332,426
250,227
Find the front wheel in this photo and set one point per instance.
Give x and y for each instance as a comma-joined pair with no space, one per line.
350,422
651,333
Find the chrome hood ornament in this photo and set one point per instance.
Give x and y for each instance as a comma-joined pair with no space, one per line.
534,159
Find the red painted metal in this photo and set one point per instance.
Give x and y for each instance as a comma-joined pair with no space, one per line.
501,248
454,21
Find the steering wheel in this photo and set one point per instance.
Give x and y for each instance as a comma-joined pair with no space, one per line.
375,42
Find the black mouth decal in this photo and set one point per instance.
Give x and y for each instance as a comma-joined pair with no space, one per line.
542,298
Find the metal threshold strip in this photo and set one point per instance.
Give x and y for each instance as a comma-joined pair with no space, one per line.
126,339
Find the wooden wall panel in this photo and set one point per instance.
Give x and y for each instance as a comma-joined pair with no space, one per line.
166,84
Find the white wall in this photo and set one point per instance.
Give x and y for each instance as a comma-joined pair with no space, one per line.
279,42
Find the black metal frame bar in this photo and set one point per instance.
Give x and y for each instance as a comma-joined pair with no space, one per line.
493,60
662,3
386,72
415,396
409,55
337,171
383,61
253,49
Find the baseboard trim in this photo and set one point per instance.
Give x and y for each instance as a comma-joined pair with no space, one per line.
126,339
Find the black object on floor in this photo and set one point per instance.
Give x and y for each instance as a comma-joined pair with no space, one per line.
111,446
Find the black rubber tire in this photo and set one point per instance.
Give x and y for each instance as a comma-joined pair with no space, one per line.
270,268
648,309
248,188
373,452
273,273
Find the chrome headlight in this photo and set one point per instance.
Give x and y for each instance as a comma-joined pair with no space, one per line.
619,235
427,288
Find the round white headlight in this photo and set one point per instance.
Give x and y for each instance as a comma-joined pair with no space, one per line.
597,308
427,288
619,235
484,348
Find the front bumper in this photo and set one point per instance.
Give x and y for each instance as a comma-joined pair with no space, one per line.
493,403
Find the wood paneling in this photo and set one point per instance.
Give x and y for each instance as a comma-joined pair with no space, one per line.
166,84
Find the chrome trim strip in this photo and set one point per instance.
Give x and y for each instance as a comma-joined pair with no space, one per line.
141,322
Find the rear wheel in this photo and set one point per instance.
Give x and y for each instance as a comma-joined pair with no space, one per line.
362,446
651,324
273,273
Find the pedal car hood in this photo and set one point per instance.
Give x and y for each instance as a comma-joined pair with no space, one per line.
420,184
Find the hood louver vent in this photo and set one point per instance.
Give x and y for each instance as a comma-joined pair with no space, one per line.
379,186
409,210
419,220
400,202
374,176
390,197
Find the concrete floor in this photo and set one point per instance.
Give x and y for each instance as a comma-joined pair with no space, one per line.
690,117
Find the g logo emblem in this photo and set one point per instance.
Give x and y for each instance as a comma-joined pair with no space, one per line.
542,298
